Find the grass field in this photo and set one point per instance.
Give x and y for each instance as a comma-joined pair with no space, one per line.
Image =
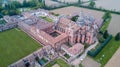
14,45
58,61
107,52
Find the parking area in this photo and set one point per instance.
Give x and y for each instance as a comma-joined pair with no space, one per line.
89,62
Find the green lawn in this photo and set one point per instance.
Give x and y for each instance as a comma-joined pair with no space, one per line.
59,62
14,45
107,52
47,19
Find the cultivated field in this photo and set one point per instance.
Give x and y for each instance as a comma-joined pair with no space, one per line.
109,4
71,10
52,3
114,61
69,1
14,45
72,1
114,26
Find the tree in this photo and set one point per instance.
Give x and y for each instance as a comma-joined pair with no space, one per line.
106,16
25,4
117,37
1,8
105,35
79,1
17,4
1,16
40,1
4,12
92,4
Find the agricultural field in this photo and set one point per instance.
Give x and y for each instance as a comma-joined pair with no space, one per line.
73,10
107,4
14,45
114,26
52,3
107,52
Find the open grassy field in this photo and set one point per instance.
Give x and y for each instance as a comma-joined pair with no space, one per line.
107,52
14,45
58,61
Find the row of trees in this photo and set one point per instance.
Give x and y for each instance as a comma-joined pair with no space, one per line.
106,16
11,8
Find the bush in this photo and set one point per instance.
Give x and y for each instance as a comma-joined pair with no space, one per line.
100,37
74,18
105,35
117,37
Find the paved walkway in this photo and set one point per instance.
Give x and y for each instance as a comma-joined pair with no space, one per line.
77,61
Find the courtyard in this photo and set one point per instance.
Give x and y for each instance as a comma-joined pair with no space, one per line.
57,63
14,45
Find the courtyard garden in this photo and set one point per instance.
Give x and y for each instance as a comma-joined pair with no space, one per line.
47,19
14,45
57,62
67,56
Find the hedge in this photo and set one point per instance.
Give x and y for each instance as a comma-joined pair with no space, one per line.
94,53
